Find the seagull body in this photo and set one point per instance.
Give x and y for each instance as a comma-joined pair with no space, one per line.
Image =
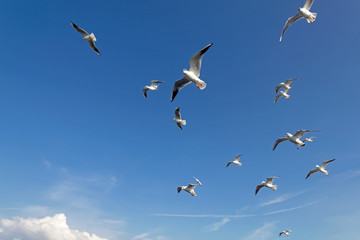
189,188
286,232
294,138
87,37
236,161
198,181
191,75
320,168
303,12
282,94
178,119
154,86
285,85
268,184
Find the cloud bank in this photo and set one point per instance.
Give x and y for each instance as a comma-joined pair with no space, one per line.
47,228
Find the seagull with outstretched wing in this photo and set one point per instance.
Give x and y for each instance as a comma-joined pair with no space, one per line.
87,37
189,188
268,184
286,232
320,168
154,86
236,161
191,75
303,12
296,138
285,85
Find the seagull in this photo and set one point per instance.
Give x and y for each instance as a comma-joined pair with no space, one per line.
88,37
320,168
154,86
198,181
285,85
286,232
309,139
236,161
302,13
282,94
189,188
267,184
191,75
178,119
294,138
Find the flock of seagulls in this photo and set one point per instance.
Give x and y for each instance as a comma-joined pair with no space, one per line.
193,76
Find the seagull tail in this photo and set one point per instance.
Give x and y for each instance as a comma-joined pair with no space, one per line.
312,19
183,122
274,187
201,84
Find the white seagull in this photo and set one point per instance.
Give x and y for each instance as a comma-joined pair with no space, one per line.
154,86
88,37
191,75
236,161
189,188
285,85
178,119
267,184
282,94
286,232
302,13
294,138
198,181
320,168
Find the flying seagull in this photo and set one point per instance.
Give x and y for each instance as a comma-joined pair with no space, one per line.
236,161
198,181
189,188
154,86
294,138
320,168
178,119
88,37
267,184
285,85
191,75
286,232
282,94
302,13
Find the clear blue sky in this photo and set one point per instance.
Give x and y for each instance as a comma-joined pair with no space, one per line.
78,137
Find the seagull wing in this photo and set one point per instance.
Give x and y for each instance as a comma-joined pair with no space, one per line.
258,187
177,113
82,31
198,181
229,163
289,22
238,157
92,45
308,4
270,180
178,85
311,172
277,97
323,165
195,61
279,141
191,186
300,133
179,189
179,125
277,88
155,82
145,92
287,82
283,232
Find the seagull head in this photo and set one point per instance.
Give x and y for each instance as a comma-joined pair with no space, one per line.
317,166
288,135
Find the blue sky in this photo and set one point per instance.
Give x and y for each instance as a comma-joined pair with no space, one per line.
79,139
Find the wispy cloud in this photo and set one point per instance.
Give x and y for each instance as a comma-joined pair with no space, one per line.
147,236
201,215
263,233
217,225
293,208
280,199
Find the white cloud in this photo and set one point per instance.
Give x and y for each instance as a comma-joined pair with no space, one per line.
146,236
263,233
47,228
217,225
291,209
142,236
201,215
282,198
